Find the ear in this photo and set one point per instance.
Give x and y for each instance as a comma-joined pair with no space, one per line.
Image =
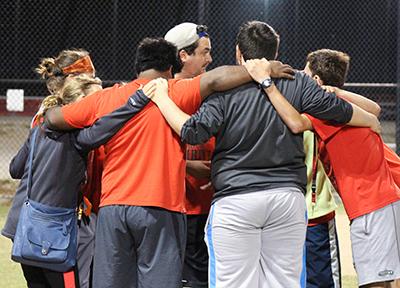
318,80
171,75
239,56
183,55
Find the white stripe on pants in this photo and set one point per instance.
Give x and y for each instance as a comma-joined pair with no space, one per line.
256,239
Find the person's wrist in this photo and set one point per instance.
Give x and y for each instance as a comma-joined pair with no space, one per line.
270,89
266,82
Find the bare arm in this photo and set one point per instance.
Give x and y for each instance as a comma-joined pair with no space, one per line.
292,118
196,129
359,100
54,119
362,118
227,77
198,168
174,116
296,122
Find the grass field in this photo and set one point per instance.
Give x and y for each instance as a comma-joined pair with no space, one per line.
11,275
10,272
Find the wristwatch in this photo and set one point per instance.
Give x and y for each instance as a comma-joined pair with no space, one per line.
266,83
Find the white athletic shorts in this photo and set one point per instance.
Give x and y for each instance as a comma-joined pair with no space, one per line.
375,242
256,240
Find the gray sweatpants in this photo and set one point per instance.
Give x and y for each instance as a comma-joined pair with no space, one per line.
86,233
257,239
138,247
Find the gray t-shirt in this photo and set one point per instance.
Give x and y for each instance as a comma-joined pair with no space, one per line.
254,149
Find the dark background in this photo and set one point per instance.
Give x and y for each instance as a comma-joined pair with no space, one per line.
111,29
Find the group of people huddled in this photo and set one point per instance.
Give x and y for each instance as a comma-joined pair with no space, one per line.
191,178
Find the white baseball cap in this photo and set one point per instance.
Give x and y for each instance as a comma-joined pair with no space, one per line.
185,34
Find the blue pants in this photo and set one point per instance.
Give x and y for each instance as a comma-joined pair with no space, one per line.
322,256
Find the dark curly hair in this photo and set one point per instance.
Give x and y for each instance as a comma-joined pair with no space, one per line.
155,53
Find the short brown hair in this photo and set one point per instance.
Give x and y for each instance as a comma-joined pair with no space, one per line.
330,65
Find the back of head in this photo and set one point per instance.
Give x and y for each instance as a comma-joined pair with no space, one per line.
77,87
330,65
54,70
155,53
257,39
186,36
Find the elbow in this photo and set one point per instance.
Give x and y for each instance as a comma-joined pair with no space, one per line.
211,83
14,173
297,127
50,119
191,138
376,110
54,119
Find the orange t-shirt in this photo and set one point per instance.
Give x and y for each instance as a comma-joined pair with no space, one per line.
92,188
362,174
144,162
198,201
393,161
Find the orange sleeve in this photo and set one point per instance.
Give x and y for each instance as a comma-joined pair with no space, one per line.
86,111
186,94
81,114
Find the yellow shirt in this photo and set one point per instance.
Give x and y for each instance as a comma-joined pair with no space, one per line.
324,200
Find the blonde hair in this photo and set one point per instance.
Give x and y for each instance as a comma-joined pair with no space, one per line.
77,86
51,68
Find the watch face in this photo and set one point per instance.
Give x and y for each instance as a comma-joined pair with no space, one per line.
266,83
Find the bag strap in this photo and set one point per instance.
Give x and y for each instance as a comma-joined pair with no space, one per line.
30,160
314,170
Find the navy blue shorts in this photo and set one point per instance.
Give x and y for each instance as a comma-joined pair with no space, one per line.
195,267
322,256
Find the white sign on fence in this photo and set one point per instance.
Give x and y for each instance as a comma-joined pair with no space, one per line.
15,100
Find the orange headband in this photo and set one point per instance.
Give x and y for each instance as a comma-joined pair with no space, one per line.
83,65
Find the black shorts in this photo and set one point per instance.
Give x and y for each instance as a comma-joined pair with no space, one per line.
43,278
195,267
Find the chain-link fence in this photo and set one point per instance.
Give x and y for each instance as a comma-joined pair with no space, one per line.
111,29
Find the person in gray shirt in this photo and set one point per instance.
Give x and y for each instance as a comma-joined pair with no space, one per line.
256,228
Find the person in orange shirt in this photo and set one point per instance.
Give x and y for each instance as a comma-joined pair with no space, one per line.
365,174
194,51
140,233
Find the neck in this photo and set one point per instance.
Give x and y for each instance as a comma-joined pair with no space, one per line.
183,75
153,74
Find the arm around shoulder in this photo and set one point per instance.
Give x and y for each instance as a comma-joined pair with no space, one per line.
362,118
54,119
223,78
359,100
